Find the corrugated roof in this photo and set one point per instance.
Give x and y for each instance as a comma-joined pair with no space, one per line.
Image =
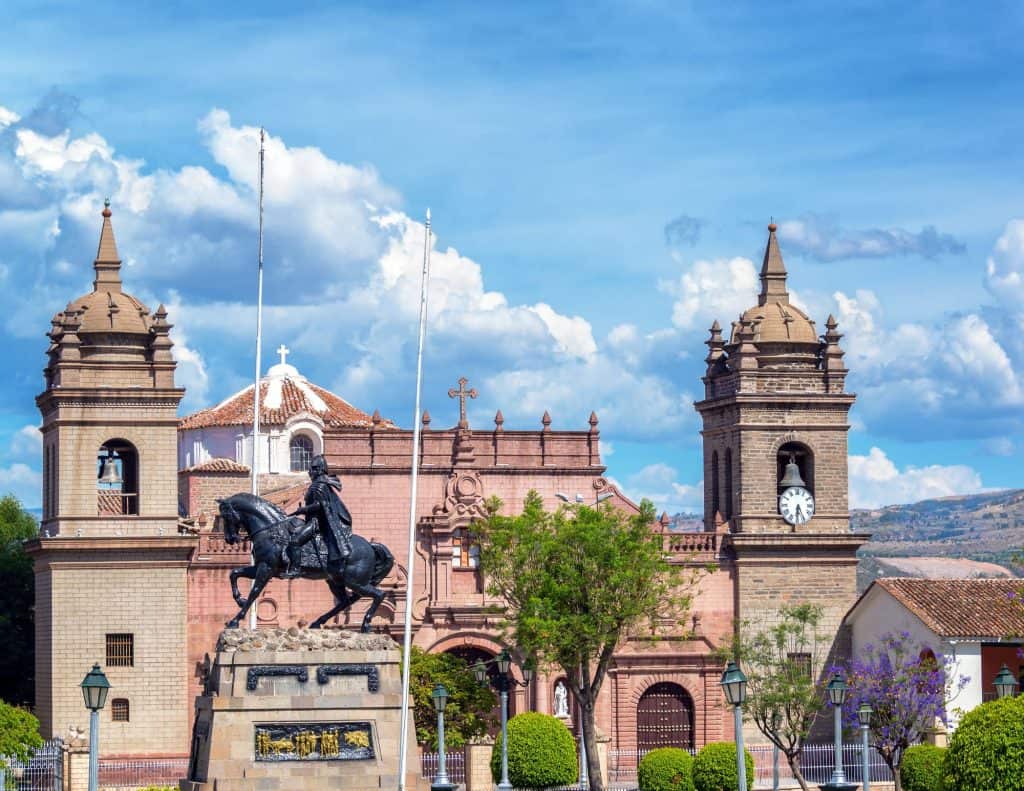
281,399
961,608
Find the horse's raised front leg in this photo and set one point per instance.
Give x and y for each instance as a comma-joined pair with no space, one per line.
249,572
262,575
343,601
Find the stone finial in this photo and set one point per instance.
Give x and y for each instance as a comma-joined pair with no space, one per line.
499,421
715,345
719,522
593,422
664,521
546,420
746,354
773,272
832,353
375,418
107,265
426,420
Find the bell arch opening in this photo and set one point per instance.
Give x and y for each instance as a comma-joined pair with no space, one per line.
117,479
803,457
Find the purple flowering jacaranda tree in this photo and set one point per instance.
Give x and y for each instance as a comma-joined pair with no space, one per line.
907,686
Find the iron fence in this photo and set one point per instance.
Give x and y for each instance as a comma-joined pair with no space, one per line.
43,771
455,764
117,774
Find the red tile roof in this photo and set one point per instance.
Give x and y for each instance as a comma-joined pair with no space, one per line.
961,608
294,400
219,465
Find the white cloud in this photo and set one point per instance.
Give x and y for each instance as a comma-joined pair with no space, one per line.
27,443
8,117
23,482
658,483
876,481
1005,267
709,290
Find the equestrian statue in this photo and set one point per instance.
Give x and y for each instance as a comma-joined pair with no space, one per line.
319,546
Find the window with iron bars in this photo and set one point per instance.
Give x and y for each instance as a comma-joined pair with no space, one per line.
802,662
120,650
119,710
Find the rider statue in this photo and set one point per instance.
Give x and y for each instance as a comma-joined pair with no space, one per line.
325,513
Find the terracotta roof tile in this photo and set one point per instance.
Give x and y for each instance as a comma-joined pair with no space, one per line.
289,498
219,465
294,400
961,608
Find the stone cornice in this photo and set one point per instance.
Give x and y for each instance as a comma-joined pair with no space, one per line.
784,400
754,543
111,551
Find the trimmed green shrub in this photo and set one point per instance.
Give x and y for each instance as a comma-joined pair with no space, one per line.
541,752
922,768
714,768
986,752
666,769
19,731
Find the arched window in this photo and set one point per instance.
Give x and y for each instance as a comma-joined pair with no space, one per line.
715,502
728,484
664,718
117,478
301,448
804,459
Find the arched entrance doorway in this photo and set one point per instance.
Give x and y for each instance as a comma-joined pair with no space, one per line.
471,654
664,718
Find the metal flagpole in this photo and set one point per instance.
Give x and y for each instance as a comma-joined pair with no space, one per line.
259,345
403,740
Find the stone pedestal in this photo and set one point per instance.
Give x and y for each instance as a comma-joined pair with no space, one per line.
297,708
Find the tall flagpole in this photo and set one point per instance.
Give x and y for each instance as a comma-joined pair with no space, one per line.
259,346
411,567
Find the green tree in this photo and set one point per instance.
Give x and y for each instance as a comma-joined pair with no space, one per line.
575,583
783,662
19,731
17,595
470,704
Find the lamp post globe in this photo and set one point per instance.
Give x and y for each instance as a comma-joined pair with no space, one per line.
1005,684
94,690
837,690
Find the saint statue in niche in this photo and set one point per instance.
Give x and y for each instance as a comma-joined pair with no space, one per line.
561,700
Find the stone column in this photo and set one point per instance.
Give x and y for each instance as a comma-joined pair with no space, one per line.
76,767
478,764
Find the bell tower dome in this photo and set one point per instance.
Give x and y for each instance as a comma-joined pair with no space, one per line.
775,417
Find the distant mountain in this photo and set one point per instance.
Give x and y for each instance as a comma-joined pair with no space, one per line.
939,538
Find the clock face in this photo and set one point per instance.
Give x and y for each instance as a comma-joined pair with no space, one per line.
796,505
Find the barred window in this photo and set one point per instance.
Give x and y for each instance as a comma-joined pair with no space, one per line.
120,650
301,452
119,710
801,662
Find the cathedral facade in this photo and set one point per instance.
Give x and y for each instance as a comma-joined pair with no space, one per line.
130,572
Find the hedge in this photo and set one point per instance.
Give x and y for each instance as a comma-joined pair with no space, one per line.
986,752
666,769
541,752
922,768
714,768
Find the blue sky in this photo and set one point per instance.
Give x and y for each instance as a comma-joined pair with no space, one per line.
600,176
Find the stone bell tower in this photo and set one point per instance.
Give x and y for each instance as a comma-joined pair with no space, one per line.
775,418
110,566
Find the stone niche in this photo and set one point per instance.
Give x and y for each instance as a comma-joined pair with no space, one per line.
300,708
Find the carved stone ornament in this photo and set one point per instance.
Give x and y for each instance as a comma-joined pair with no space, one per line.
463,496
324,672
255,673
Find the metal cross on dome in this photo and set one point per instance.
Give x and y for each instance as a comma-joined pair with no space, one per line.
462,393
284,351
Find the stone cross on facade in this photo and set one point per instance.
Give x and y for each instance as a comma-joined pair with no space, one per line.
462,393
284,351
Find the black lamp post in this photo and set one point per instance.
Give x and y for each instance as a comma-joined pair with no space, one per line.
503,681
441,782
94,689
1005,684
734,685
864,714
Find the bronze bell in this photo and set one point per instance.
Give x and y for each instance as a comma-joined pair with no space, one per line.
792,476
109,474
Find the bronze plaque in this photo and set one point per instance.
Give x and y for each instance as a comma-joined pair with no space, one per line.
318,741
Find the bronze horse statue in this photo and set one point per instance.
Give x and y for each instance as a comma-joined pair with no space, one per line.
269,528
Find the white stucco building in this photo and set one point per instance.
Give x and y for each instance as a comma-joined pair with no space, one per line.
975,623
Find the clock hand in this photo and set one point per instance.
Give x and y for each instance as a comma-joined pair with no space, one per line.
799,512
